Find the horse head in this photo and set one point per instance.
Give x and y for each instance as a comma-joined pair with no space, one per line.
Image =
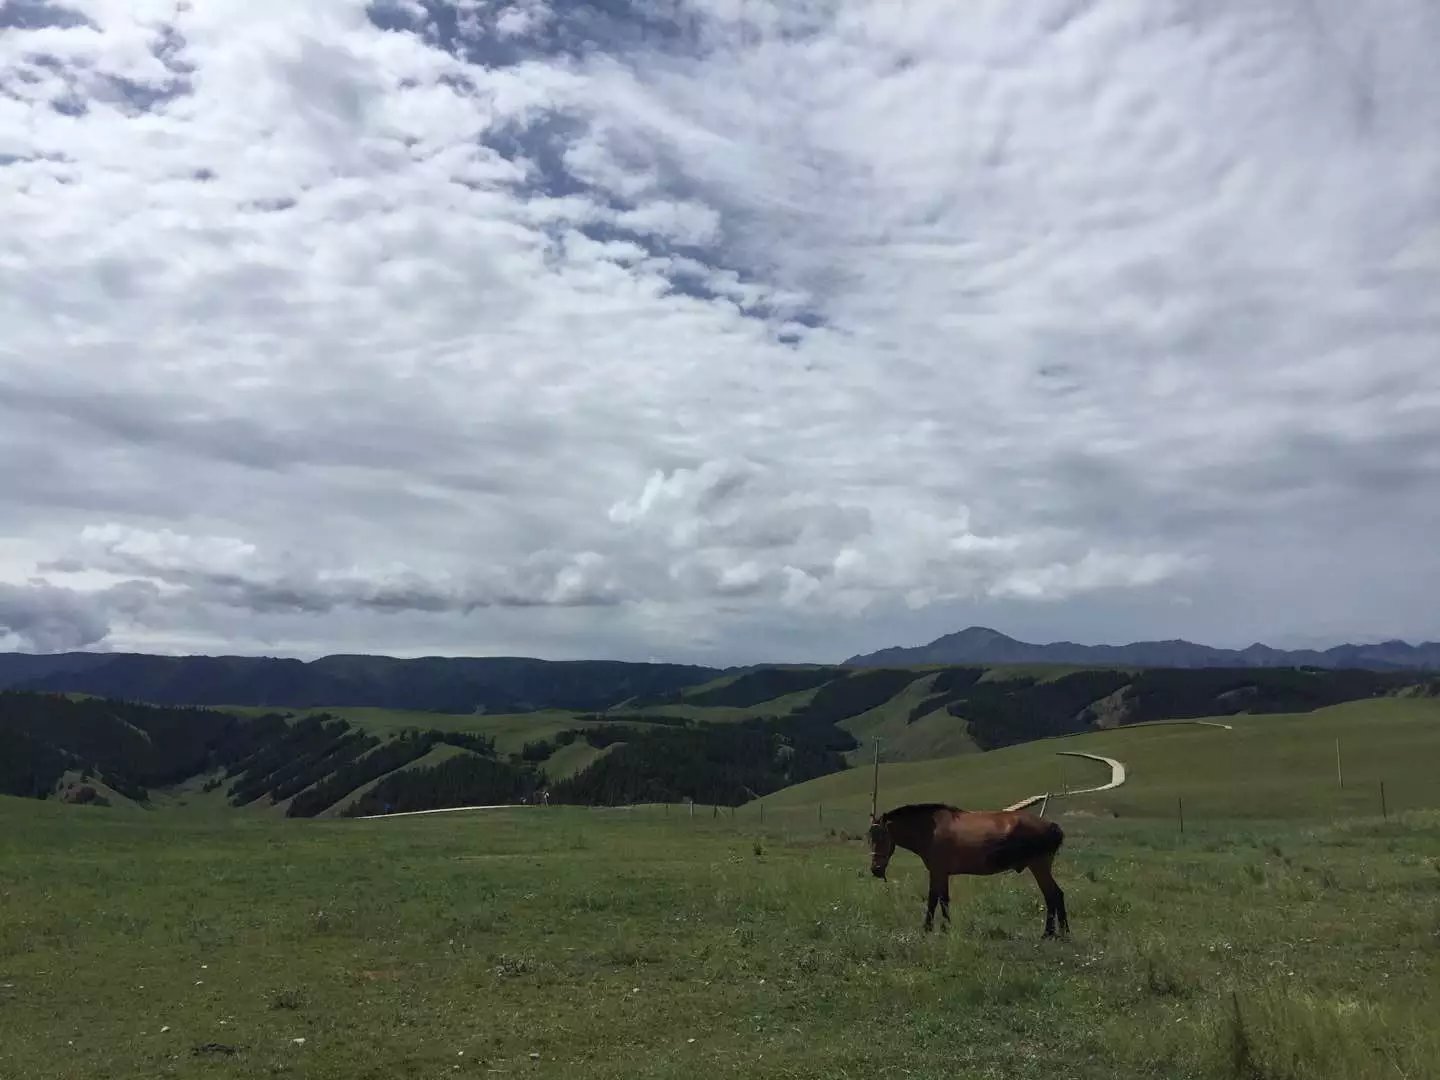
882,846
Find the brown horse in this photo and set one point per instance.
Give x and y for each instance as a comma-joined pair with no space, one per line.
954,841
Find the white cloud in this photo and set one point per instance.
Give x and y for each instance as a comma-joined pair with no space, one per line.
769,327
519,19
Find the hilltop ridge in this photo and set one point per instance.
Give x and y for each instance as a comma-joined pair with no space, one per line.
983,645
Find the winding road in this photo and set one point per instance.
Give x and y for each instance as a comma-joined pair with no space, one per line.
1117,777
1117,768
441,810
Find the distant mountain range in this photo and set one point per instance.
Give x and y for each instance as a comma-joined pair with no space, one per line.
520,684
981,645
432,683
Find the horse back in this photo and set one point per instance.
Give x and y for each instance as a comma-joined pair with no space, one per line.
991,842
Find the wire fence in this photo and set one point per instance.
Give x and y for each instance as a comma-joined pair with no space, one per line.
1187,811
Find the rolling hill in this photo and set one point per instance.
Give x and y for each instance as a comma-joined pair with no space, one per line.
441,684
1275,766
725,740
318,763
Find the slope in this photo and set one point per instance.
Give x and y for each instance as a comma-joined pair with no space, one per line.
1279,766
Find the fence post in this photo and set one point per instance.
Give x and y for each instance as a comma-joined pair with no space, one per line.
1384,810
692,808
820,810
1339,773
762,813
1180,806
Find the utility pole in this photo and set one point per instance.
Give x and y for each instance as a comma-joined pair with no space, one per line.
875,787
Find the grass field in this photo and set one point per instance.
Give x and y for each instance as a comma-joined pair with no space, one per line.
1288,932
1266,767
567,942
510,731
938,734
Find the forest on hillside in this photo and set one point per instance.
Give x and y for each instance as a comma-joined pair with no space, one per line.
136,747
319,762
433,684
1022,707
315,761
719,764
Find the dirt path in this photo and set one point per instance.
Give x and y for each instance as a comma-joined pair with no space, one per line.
1178,723
1117,777
442,810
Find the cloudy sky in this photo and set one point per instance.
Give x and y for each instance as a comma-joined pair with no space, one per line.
716,330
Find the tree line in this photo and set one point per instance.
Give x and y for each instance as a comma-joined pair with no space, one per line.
134,747
722,764
1002,712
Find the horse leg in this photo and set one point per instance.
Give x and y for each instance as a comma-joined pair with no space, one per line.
939,893
937,886
1054,896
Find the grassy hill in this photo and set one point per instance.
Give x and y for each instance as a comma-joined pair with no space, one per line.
1280,766
508,731
1289,931
303,765
670,747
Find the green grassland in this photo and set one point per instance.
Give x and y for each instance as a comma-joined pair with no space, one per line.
569,760
572,942
782,705
1265,767
915,718
936,734
934,718
1288,932
511,731
436,755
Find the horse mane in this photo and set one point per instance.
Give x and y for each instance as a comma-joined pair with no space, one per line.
913,809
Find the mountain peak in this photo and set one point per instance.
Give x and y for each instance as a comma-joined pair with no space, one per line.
978,635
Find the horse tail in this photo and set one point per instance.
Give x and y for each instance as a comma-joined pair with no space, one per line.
1024,846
